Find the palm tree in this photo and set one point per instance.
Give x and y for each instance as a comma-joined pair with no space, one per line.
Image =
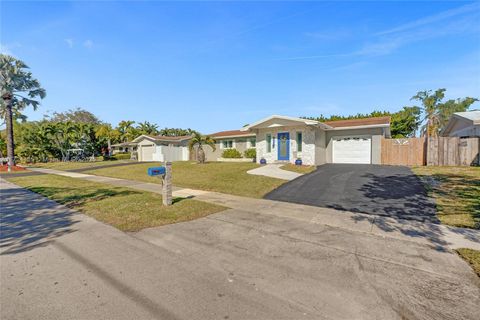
437,113
18,90
147,128
126,130
198,141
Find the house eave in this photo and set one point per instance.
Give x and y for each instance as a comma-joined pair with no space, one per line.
359,127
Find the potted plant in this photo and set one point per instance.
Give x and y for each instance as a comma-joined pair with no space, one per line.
298,162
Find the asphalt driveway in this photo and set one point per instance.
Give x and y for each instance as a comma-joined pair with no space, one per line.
392,191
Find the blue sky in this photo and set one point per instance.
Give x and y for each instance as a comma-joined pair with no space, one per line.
218,65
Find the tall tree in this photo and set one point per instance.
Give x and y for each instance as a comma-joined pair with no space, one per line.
18,90
127,130
405,123
74,115
147,128
198,141
437,113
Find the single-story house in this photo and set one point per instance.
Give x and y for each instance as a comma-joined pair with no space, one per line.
123,147
232,139
162,148
463,125
284,139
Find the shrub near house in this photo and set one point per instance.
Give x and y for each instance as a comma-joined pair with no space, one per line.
231,154
250,153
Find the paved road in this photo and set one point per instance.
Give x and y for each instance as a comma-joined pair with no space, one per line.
392,191
57,264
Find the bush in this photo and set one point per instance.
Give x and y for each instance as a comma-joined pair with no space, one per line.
231,153
250,153
122,156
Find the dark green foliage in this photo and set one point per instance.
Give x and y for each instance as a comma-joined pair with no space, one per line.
231,154
121,156
404,123
176,132
250,153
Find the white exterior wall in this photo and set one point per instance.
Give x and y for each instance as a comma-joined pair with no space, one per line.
164,153
308,145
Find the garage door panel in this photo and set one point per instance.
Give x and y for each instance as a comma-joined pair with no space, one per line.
352,150
147,153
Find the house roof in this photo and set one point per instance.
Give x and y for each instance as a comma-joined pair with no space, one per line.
231,134
473,115
472,118
377,121
124,144
292,120
162,138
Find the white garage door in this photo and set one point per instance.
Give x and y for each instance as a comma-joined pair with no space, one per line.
147,153
352,150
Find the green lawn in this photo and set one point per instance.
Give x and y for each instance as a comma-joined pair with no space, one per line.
456,191
472,257
75,165
298,169
226,177
123,208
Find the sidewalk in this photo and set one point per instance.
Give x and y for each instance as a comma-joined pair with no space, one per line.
274,171
427,233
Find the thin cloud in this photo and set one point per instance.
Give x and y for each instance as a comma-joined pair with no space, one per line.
465,20
69,43
88,44
335,55
475,7
328,34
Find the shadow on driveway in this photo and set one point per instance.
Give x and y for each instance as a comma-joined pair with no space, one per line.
390,191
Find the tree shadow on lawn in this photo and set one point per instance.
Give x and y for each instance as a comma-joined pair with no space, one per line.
29,221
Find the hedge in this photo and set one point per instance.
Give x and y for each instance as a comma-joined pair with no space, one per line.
231,153
250,153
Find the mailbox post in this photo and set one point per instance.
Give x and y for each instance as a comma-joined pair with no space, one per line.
165,173
167,185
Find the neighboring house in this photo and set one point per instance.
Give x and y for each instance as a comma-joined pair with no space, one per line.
162,148
233,139
284,139
463,125
124,147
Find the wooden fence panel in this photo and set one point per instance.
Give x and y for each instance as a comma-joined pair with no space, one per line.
404,152
439,151
453,151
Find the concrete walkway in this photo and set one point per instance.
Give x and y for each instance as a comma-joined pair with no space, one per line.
433,234
274,171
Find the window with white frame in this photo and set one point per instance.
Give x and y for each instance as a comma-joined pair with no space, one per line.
299,141
251,142
227,144
268,138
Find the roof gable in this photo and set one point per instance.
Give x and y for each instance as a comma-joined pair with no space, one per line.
279,121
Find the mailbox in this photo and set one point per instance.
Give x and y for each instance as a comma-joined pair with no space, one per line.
156,171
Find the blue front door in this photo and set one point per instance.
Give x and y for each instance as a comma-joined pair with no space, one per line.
283,142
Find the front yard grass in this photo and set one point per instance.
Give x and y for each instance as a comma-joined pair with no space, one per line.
299,169
472,257
125,209
225,177
74,165
456,191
